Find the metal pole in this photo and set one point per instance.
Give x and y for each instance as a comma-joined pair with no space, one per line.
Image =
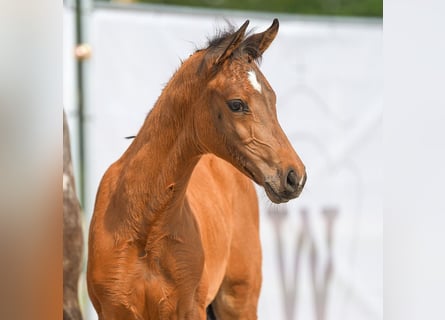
81,54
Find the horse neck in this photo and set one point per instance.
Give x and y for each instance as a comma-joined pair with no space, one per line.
157,167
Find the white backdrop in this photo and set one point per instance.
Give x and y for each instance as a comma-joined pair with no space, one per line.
327,74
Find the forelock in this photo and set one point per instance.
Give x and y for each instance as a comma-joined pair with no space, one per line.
223,36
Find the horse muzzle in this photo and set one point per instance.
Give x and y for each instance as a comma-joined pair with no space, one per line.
282,188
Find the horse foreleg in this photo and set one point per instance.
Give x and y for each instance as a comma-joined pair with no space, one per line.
119,313
238,295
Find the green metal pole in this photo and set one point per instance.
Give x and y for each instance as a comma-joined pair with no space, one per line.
80,101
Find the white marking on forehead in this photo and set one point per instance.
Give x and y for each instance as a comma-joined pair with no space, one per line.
254,81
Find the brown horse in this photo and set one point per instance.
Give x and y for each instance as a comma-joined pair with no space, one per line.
175,225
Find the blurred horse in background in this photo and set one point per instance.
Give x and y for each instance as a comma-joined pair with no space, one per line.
72,235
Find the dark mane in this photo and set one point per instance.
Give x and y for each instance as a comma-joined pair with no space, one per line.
222,36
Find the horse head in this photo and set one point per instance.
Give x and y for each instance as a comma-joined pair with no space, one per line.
237,114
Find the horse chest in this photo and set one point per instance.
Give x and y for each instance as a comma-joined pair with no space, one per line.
172,276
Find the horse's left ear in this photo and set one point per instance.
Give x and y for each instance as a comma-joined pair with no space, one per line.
232,43
261,41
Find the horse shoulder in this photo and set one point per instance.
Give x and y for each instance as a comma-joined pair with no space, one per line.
218,194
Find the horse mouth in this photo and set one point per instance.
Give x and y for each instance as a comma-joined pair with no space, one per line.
271,192
282,197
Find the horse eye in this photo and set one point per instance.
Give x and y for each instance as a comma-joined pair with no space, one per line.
237,105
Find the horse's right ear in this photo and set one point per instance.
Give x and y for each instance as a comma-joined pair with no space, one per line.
261,41
233,42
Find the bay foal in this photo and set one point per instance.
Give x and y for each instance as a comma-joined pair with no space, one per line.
175,224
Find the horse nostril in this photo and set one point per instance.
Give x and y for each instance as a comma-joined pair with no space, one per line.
291,181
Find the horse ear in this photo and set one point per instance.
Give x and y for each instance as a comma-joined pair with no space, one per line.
232,44
261,41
